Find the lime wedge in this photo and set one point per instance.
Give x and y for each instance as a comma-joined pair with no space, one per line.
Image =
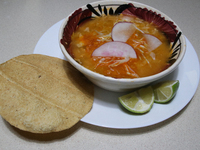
165,91
140,101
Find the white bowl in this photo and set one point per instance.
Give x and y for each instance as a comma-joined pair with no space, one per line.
120,85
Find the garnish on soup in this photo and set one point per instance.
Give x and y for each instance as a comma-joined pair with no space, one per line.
120,46
128,42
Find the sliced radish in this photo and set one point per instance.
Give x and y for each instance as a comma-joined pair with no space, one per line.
152,41
122,31
115,49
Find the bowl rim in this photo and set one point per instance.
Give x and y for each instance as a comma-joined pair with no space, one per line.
95,75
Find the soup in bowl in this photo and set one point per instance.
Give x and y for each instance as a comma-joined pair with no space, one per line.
121,45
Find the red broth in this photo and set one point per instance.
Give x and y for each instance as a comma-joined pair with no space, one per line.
93,33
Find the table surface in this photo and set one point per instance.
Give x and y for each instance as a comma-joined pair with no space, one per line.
23,22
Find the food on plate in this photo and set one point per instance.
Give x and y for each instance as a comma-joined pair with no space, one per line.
100,44
165,91
141,100
43,94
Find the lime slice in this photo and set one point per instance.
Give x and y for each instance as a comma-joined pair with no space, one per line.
140,101
165,91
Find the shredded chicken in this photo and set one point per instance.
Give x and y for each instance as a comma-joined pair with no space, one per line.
118,62
130,71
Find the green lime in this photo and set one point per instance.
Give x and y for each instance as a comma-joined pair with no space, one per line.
140,101
165,91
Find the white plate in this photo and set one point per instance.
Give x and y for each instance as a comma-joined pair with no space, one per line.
107,111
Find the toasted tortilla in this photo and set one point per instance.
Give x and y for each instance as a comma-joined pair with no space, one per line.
43,94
